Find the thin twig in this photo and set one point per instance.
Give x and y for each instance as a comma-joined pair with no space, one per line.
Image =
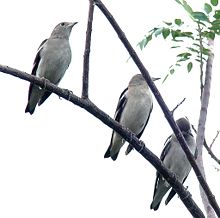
162,104
201,60
213,141
85,87
208,148
86,104
211,153
172,112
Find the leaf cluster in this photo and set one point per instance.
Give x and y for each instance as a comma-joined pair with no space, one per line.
191,38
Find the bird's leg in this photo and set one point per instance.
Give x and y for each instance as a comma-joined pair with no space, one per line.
45,82
142,145
69,93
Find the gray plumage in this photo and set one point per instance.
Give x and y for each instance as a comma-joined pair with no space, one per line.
51,62
133,111
174,159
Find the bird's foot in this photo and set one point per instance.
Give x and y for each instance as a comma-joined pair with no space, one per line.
142,145
45,82
69,93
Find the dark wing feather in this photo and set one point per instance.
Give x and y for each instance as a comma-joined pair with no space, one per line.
163,154
35,65
121,104
166,149
172,193
44,97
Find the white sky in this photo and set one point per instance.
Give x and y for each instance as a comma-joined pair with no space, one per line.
51,163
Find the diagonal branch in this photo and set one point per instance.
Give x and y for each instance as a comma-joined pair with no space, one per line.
211,153
161,102
208,147
85,87
172,112
213,141
86,104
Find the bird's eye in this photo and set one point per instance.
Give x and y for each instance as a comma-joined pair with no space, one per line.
62,24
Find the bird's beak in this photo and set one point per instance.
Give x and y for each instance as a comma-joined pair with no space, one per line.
72,24
154,79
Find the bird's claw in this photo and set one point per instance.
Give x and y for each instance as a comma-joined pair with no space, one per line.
142,145
69,92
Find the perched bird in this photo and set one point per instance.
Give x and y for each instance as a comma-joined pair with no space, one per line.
51,62
133,111
175,160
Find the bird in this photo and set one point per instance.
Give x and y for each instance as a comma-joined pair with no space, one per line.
133,111
174,158
51,62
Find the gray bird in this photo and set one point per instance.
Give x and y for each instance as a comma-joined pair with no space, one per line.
133,111
51,62
175,160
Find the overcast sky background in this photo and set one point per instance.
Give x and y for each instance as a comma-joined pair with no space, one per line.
51,163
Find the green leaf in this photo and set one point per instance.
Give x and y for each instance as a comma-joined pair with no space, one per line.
217,14
145,41
209,34
158,32
165,32
175,46
187,7
172,71
216,26
207,8
185,54
205,51
142,43
214,2
189,66
178,22
175,33
200,16
165,78
193,50
168,23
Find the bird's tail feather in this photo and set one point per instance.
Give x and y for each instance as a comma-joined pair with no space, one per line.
161,191
129,149
33,99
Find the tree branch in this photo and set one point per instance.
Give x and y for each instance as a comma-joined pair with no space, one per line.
201,130
172,112
85,86
86,104
213,141
211,153
201,59
162,104
208,147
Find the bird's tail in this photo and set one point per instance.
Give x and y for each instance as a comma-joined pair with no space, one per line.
34,96
162,189
108,154
129,149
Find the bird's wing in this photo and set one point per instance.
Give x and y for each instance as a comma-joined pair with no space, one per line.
120,107
166,149
163,155
173,192
35,65
140,134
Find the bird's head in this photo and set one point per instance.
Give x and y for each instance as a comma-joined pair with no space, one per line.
63,30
